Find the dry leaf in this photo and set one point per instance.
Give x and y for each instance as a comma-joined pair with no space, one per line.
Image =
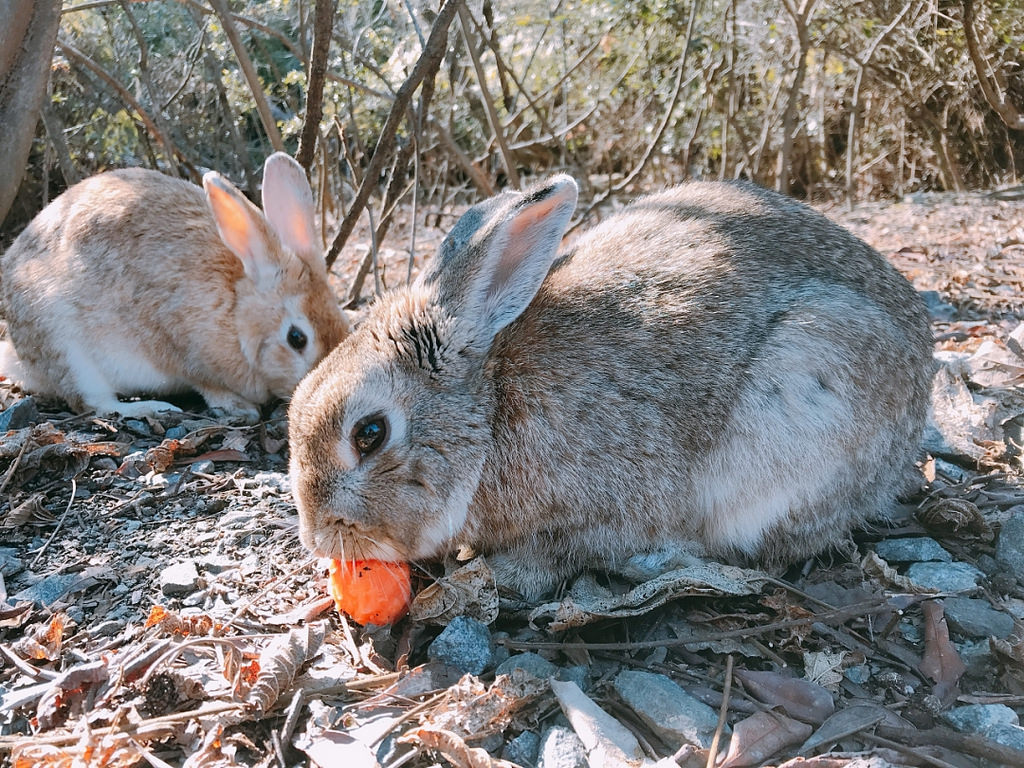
875,567
172,623
29,512
467,591
42,642
588,602
951,515
801,699
67,693
472,709
336,749
280,662
214,753
940,662
760,736
453,749
843,723
824,668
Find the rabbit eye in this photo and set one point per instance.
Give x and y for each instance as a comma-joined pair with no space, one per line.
370,434
296,339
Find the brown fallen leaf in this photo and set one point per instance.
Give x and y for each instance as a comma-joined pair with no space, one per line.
453,748
468,591
940,662
801,699
173,623
280,662
42,641
760,736
68,692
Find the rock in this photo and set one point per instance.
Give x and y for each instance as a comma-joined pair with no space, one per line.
179,579
465,643
971,616
1011,736
204,467
50,589
976,656
523,749
945,577
138,426
575,674
859,673
216,563
673,714
560,747
980,718
916,549
939,310
175,433
533,663
10,563
19,414
1010,547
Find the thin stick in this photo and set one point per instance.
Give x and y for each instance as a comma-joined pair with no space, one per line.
259,595
722,712
60,522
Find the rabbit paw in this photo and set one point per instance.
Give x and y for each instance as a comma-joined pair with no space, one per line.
230,407
137,409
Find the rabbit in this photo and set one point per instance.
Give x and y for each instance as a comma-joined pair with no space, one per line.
134,282
716,367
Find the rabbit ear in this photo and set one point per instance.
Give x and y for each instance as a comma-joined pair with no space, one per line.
494,260
242,228
288,204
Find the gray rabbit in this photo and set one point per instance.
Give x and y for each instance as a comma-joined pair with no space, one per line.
716,366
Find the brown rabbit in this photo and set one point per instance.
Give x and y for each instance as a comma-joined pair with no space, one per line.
135,282
715,366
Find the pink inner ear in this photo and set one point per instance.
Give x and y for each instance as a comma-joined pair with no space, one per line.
523,234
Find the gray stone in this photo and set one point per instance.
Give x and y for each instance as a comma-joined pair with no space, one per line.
533,663
1010,547
673,714
179,579
50,589
945,577
859,673
939,309
976,656
465,643
204,467
1011,736
175,433
523,749
576,674
971,616
138,426
912,550
216,563
19,414
980,718
560,747
10,563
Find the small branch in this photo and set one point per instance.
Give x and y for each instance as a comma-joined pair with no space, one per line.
323,26
994,95
220,7
426,65
492,113
122,93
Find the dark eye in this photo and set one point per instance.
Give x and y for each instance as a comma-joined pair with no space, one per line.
370,434
296,339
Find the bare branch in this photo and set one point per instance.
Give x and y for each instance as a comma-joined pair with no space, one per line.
492,113
220,7
987,79
323,25
426,66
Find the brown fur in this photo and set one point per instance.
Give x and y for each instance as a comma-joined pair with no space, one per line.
130,262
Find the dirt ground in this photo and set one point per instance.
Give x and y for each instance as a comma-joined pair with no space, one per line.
157,608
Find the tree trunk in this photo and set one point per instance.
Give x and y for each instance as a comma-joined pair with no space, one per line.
27,37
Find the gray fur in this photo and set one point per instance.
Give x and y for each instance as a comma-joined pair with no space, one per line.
716,366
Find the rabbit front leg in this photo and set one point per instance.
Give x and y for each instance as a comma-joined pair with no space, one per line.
224,403
528,571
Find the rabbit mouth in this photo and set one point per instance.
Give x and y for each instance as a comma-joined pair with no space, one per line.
344,544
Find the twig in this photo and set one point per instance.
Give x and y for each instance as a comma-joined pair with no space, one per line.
722,712
60,522
426,65
14,467
220,7
323,26
656,140
492,113
259,595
